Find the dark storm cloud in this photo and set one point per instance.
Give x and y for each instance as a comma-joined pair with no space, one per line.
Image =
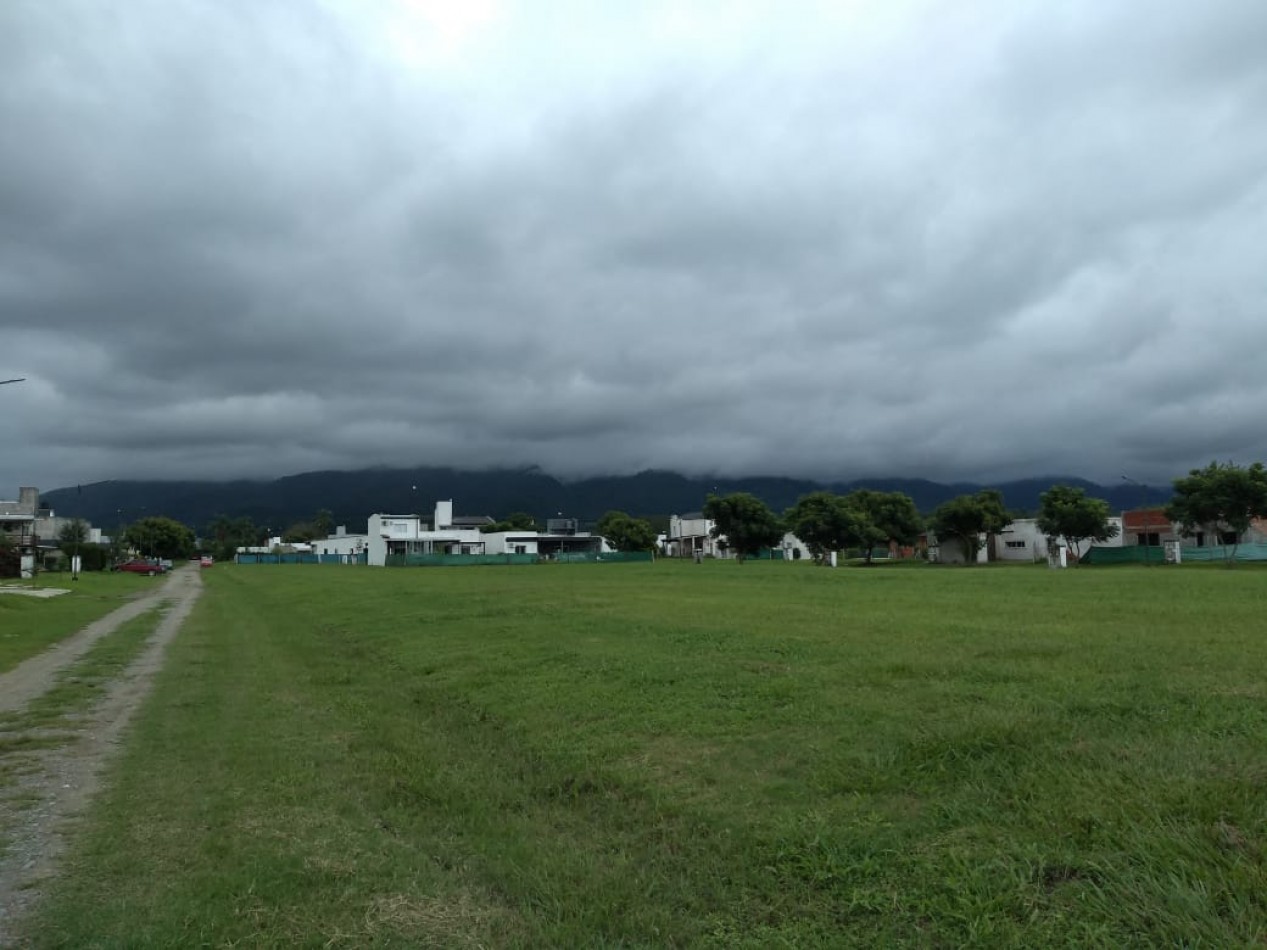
250,239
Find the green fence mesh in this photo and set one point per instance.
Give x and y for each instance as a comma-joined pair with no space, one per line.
1139,554
475,560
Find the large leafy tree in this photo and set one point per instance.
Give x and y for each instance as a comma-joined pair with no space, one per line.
1067,512
625,532
1222,498
827,522
967,517
74,532
224,535
160,537
892,514
745,521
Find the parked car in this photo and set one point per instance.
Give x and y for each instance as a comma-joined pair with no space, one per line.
205,561
141,567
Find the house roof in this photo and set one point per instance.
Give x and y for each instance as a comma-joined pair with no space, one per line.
1137,520
473,520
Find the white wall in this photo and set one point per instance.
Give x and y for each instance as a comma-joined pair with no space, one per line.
384,528
682,530
1027,543
1021,541
443,516
506,542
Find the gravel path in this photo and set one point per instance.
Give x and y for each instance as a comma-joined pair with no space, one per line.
37,815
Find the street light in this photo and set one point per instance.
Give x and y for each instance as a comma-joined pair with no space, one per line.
5,382
1143,498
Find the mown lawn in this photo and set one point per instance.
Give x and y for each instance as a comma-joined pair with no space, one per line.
691,755
29,625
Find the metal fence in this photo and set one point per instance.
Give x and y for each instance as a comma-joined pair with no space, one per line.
1154,554
302,558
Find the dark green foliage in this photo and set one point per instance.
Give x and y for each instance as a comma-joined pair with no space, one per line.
1068,513
626,533
73,533
745,521
1222,498
892,515
967,517
160,537
225,535
826,522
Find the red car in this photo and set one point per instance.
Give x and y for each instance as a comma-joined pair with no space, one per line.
141,567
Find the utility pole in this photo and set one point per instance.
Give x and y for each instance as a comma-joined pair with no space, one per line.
1143,510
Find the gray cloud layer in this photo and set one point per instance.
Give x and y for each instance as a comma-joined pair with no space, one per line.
869,238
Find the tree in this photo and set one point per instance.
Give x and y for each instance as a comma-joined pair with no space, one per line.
1066,512
892,514
746,522
225,535
827,522
324,523
626,533
967,517
1222,498
160,537
301,532
72,534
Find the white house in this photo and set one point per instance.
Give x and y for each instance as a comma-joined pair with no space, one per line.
411,534
1023,541
794,549
346,546
691,534
447,533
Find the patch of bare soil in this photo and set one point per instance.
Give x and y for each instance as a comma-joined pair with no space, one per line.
59,774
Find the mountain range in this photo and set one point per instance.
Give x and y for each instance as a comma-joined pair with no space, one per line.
352,496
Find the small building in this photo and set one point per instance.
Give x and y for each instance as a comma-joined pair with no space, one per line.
18,522
347,548
690,535
1022,540
1150,526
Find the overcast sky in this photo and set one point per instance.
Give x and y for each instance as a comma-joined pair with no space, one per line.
859,237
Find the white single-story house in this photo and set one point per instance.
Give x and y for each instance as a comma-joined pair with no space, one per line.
1022,540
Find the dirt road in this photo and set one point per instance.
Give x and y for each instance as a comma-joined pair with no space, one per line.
54,784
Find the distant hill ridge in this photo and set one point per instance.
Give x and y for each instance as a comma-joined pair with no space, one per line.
352,496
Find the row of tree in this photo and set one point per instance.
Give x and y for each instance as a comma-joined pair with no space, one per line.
1223,498
865,519
822,520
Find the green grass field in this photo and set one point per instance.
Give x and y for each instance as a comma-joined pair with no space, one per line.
716,755
29,625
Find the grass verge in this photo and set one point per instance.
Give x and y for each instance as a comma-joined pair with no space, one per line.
48,722
29,625
691,755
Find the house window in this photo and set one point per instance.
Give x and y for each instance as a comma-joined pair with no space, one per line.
1200,539
1152,538
521,549
1015,545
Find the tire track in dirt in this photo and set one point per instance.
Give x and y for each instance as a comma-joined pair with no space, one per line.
36,676
64,778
